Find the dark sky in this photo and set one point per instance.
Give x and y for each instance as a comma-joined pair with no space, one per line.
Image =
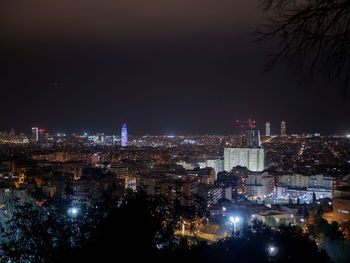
162,66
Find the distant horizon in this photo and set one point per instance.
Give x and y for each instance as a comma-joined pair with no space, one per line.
82,133
179,68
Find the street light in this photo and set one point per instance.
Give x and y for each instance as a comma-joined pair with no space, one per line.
272,250
234,221
73,211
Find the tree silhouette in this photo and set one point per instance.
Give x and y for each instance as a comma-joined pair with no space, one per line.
47,233
320,228
137,229
253,246
69,189
140,229
314,35
26,236
270,221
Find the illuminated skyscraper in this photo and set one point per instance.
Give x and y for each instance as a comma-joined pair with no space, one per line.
35,133
124,135
41,134
283,128
267,133
250,155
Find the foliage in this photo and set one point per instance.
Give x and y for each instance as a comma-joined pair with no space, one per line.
211,228
45,234
320,228
141,228
338,250
270,221
27,237
252,246
69,189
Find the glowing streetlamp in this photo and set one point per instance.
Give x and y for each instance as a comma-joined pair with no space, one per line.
73,211
272,250
234,221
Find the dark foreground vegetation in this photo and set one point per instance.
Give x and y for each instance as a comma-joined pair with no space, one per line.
142,228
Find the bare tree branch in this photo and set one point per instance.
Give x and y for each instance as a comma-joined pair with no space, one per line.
314,35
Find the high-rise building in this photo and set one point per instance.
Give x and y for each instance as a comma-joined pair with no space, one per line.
35,134
251,139
267,133
250,154
252,158
283,128
124,136
41,134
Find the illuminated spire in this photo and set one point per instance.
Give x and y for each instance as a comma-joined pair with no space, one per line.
267,133
283,128
124,136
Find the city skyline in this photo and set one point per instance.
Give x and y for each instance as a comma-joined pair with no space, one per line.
172,70
175,131
236,130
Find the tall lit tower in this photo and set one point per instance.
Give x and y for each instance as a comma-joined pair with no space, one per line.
283,128
35,133
248,133
124,135
267,133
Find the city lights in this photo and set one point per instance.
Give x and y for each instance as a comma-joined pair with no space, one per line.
272,250
73,211
234,221
145,131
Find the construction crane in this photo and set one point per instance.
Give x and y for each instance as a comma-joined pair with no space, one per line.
249,126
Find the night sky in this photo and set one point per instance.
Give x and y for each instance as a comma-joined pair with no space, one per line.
161,66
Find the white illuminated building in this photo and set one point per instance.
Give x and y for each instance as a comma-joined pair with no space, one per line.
35,132
259,185
267,132
252,158
303,187
216,164
187,165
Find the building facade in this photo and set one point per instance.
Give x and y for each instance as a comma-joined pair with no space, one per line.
35,134
251,158
283,128
216,164
268,130
124,136
259,185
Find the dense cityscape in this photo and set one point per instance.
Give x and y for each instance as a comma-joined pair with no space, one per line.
209,131
224,183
